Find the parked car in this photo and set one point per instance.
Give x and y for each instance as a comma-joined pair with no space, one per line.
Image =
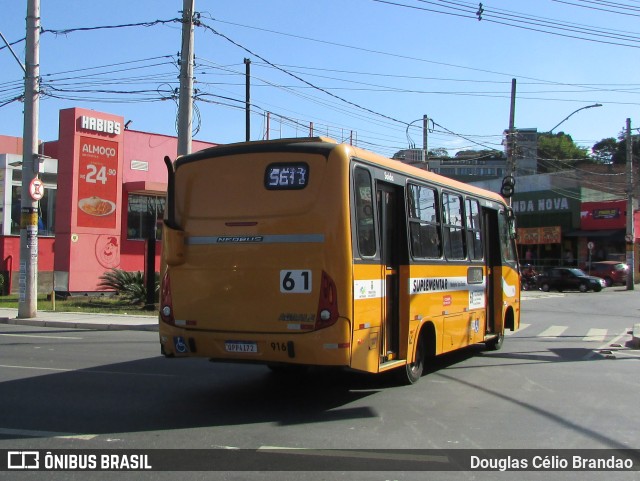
568,278
613,272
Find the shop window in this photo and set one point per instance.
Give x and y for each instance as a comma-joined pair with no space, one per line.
144,212
46,211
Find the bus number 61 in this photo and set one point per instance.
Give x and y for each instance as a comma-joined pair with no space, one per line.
295,282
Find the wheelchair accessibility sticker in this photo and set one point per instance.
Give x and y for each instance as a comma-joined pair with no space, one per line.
180,345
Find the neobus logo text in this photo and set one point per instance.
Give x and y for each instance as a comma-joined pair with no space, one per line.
239,239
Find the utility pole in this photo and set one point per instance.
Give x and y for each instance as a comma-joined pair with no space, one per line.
30,194
508,183
630,236
185,99
512,131
247,63
425,143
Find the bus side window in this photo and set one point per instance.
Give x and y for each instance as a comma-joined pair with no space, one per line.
365,227
454,242
424,224
474,230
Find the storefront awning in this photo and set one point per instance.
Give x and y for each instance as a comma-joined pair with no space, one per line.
540,235
143,186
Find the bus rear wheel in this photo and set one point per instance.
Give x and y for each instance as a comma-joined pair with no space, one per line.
495,343
412,372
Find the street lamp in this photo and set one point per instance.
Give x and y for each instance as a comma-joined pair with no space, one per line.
574,112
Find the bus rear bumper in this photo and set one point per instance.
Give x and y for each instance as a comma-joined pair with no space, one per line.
330,346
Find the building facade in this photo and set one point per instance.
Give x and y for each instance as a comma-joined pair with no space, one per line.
559,216
104,190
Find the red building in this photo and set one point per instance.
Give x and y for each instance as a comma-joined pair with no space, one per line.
603,227
104,194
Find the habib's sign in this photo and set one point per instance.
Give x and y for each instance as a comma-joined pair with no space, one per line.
96,124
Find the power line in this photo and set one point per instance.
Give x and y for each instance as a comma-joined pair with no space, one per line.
601,5
535,24
300,78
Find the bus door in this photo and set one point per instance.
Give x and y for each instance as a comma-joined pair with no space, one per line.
391,226
493,258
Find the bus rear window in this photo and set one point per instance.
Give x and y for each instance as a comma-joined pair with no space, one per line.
286,176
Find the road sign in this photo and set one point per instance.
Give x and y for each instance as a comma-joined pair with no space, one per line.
590,245
36,189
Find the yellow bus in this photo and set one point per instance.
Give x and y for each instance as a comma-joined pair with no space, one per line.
306,252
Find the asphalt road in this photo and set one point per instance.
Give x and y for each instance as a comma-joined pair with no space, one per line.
566,380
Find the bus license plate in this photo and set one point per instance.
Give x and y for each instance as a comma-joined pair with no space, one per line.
240,346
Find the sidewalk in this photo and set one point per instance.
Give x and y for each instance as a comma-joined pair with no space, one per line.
83,320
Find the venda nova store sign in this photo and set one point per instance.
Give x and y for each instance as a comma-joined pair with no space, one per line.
548,202
554,204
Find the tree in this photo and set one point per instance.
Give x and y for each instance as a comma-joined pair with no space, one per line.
611,151
558,152
439,152
605,151
480,154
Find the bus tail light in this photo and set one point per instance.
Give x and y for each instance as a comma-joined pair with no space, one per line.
166,303
327,303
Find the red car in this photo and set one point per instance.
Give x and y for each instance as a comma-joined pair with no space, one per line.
613,272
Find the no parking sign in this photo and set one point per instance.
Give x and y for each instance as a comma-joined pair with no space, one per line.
36,189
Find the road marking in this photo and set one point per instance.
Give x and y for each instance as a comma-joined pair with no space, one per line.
42,336
45,434
597,335
356,454
86,371
36,368
553,331
607,345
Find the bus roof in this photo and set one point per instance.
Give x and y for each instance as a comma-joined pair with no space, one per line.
324,146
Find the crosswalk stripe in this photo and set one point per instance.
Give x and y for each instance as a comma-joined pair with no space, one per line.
553,331
597,335
592,334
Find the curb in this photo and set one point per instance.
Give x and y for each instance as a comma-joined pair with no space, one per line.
94,326
635,336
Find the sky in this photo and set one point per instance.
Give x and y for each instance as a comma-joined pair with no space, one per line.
359,70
